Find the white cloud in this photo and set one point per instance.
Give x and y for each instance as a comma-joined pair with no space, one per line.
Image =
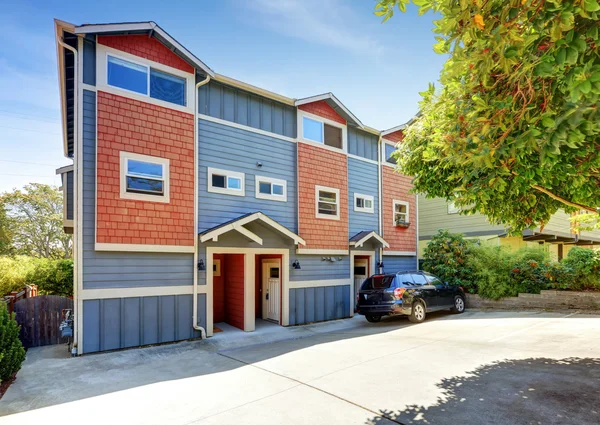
326,22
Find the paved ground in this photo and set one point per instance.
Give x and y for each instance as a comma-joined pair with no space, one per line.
476,368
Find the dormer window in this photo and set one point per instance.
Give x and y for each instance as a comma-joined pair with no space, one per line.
315,130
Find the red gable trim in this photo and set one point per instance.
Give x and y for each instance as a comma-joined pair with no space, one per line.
146,47
322,109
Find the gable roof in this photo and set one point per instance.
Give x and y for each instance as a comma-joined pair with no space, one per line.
360,238
335,103
153,30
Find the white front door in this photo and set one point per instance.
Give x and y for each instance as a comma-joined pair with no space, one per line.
361,272
271,284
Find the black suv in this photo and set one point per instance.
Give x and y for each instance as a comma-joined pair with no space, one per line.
409,293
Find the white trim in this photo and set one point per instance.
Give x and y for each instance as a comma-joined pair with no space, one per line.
250,235
64,169
400,253
164,162
141,26
309,251
337,200
89,87
272,181
317,283
372,271
102,53
331,96
68,223
394,129
245,127
365,198
78,201
362,241
225,190
214,234
144,291
399,202
322,146
264,266
360,158
249,292
383,155
300,123
123,247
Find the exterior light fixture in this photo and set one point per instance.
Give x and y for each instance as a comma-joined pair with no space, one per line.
201,266
296,265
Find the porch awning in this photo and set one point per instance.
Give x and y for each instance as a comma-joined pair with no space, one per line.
361,238
237,225
572,239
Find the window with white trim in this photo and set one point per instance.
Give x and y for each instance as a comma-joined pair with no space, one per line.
226,182
142,79
389,149
401,216
364,203
270,188
144,177
322,132
327,202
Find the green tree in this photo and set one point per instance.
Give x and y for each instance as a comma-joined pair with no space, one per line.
5,236
446,257
12,353
35,221
513,132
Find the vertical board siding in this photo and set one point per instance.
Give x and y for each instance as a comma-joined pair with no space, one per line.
235,105
132,322
119,269
393,264
313,267
89,60
234,289
361,143
309,305
69,195
362,179
239,150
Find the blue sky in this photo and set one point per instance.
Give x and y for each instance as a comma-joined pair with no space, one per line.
297,48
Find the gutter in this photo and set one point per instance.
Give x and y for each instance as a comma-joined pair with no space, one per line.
379,190
196,150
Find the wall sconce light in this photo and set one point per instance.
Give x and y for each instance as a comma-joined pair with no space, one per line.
380,265
201,266
339,259
258,164
296,265
330,259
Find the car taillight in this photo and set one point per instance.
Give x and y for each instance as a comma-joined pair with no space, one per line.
398,292
462,289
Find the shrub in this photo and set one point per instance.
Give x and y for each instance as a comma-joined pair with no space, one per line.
12,353
53,277
529,276
585,269
490,268
446,257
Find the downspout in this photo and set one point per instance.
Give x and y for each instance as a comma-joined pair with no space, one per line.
379,185
196,149
77,228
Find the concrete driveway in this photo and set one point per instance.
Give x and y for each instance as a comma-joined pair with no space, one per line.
475,368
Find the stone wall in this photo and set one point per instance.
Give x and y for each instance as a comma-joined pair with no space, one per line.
551,300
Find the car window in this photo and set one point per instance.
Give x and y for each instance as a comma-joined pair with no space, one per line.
432,280
377,282
404,279
419,279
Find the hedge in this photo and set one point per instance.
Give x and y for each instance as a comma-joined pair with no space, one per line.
53,277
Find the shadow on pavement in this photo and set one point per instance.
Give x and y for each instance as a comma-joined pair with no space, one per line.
530,391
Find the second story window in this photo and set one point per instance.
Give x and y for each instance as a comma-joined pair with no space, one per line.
401,214
389,150
226,182
144,177
144,80
363,203
327,202
269,188
321,132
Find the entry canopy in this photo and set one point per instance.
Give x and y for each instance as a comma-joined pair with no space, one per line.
361,238
237,225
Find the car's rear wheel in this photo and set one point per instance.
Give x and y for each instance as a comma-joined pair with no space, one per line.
459,305
373,318
417,314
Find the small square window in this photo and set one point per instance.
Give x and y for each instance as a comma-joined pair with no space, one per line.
327,203
389,150
363,203
218,181
234,183
333,136
401,213
312,130
225,182
270,188
144,177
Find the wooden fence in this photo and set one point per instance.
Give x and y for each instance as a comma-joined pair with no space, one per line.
39,318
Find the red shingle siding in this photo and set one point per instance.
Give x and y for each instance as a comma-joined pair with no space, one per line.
145,47
396,136
322,167
234,289
396,187
322,109
133,126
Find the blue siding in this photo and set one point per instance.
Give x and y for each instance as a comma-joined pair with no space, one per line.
119,269
309,305
362,179
392,264
361,143
238,150
89,61
313,267
69,195
231,104
131,322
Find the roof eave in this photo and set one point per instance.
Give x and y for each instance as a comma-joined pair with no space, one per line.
59,28
330,98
